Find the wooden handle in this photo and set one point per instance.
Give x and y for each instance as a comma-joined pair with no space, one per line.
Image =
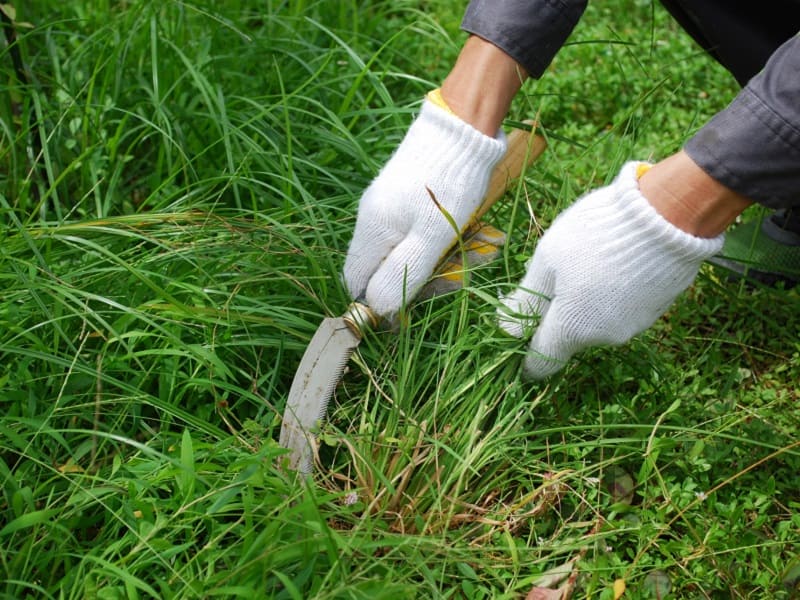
524,147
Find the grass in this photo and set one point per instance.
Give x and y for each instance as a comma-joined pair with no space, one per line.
179,183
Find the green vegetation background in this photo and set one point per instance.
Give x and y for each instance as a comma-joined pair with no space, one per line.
178,183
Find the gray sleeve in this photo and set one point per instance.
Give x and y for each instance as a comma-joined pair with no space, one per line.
753,146
530,31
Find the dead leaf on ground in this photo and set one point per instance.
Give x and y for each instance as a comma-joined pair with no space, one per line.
540,593
544,586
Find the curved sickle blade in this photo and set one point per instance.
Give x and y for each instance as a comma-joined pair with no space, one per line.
319,372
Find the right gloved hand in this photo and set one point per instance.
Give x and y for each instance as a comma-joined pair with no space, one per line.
606,269
400,233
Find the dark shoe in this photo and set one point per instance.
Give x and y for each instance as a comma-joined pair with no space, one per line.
767,251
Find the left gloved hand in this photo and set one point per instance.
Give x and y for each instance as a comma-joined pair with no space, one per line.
607,268
401,233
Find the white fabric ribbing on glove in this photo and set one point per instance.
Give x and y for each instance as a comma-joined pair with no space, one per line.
605,270
400,233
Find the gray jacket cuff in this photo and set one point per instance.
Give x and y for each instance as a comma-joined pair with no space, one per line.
753,146
530,31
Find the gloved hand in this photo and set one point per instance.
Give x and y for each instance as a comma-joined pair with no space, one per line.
400,233
606,269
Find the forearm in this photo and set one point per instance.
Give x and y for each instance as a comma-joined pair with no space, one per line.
482,84
689,198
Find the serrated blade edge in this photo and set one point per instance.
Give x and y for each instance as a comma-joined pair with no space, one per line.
312,388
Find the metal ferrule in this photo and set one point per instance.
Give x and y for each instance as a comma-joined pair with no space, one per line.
359,318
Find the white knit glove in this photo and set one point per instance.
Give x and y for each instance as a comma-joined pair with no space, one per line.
607,268
400,233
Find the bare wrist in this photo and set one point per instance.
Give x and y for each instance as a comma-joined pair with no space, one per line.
482,84
689,198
